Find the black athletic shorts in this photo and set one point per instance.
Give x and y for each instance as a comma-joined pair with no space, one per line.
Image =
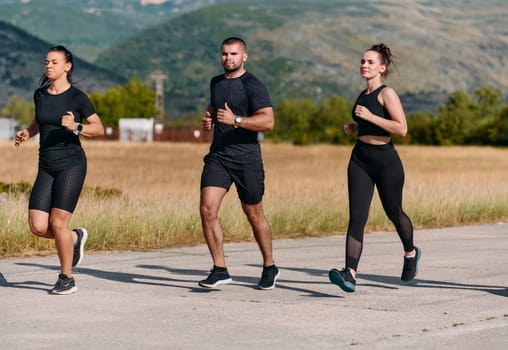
249,179
58,189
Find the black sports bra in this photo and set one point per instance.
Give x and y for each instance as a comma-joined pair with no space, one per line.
371,102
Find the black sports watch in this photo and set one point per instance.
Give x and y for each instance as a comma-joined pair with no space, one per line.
79,128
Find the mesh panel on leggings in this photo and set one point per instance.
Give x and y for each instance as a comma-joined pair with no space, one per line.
405,231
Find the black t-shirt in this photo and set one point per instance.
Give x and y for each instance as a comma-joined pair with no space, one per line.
244,95
59,147
371,102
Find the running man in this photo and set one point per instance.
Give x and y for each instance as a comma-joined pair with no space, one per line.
239,109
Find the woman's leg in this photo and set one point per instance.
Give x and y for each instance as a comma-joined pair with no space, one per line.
360,192
390,191
40,205
390,185
67,187
64,239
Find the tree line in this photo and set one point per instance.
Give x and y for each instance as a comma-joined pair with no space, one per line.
480,118
477,119
132,100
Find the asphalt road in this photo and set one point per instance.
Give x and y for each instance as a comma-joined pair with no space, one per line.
151,300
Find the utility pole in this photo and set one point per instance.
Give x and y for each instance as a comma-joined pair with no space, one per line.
159,78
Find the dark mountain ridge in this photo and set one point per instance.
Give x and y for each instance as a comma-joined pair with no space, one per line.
22,64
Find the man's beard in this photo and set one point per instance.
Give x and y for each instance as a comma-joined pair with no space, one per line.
231,70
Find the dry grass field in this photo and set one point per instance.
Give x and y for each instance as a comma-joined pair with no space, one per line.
145,196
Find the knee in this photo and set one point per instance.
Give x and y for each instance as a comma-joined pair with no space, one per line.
39,229
256,218
358,216
58,226
254,214
395,215
357,223
207,213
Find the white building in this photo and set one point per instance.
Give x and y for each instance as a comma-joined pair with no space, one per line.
136,129
7,129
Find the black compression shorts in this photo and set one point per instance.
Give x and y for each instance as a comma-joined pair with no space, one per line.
249,179
59,189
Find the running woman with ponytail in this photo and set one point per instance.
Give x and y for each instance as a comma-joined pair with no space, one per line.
378,113
60,109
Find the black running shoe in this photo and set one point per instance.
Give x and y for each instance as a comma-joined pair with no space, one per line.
79,246
343,278
268,277
218,276
410,268
64,285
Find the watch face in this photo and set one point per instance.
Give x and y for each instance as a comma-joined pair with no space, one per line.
238,120
80,127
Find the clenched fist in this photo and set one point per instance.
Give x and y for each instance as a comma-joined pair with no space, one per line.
68,121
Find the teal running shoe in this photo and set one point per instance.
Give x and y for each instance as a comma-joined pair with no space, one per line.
344,279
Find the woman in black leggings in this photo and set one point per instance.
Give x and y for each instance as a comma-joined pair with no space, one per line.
60,108
377,113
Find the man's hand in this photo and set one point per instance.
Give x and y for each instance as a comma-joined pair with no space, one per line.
206,121
226,115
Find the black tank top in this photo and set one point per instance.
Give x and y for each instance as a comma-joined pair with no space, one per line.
370,101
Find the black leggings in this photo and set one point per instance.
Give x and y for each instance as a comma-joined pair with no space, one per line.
369,166
59,189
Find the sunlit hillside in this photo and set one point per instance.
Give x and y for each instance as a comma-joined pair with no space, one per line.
300,48
312,48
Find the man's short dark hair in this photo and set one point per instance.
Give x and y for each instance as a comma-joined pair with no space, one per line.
234,40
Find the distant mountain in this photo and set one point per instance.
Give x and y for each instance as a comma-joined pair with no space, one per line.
312,48
90,26
22,64
300,48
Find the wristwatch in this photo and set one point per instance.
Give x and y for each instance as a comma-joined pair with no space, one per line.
238,121
79,128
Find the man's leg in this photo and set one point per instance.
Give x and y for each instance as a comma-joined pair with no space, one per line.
261,229
210,201
211,198
263,235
